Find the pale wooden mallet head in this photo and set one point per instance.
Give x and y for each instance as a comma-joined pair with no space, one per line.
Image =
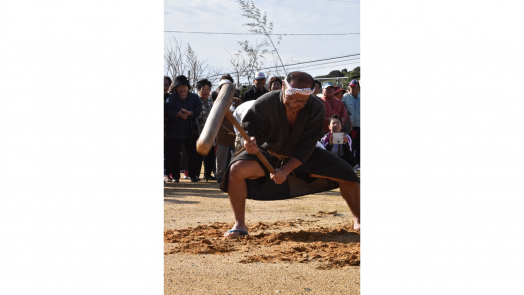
216,115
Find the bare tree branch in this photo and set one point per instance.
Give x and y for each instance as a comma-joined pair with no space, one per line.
178,61
260,25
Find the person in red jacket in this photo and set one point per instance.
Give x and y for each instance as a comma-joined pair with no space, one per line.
332,105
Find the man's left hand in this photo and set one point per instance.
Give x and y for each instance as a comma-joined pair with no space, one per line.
345,138
279,176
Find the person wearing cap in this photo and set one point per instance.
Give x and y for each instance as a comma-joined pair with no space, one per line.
332,105
258,90
225,136
285,126
352,102
182,106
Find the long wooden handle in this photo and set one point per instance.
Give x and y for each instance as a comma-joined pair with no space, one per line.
232,119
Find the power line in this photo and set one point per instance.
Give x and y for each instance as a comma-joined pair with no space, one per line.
307,70
332,66
291,64
306,62
216,33
338,61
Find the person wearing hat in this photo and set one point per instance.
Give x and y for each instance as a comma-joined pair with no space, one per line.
182,106
352,102
332,105
258,90
338,92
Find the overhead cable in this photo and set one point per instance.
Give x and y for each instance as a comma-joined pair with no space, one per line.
291,64
218,33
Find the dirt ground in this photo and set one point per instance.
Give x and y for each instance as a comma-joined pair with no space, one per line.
304,245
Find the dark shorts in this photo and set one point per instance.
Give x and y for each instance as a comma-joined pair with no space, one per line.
299,182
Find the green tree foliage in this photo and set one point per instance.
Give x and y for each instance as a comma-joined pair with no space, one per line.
332,74
355,72
342,73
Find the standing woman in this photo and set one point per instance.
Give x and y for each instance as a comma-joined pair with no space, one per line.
204,89
182,106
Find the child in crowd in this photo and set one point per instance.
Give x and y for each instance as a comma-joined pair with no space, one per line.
343,150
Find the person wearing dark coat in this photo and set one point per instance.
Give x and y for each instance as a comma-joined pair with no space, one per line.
258,90
182,107
285,126
167,83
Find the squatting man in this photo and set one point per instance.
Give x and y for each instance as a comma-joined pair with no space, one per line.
285,126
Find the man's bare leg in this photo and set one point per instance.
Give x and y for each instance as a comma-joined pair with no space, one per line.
237,190
350,191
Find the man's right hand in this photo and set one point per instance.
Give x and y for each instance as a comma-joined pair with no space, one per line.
251,147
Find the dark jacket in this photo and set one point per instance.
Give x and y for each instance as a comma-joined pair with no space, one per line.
267,121
165,114
253,94
177,127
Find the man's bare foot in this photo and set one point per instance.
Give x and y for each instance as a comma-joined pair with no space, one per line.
237,231
356,224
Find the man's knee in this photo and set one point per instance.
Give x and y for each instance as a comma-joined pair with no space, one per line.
242,170
239,170
235,171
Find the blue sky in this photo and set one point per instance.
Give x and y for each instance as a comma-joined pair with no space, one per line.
301,17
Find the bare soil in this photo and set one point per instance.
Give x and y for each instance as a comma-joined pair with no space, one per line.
303,245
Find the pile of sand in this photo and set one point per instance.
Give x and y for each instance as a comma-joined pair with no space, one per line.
330,247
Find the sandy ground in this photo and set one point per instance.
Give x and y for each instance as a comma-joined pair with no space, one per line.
300,246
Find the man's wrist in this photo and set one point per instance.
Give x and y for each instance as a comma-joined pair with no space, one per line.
285,170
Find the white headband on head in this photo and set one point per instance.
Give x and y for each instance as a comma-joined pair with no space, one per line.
290,90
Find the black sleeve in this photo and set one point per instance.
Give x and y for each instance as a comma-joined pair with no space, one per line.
171,109
243,99
345,148
313,130
329,147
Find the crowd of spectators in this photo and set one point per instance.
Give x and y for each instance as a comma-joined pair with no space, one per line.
186,113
